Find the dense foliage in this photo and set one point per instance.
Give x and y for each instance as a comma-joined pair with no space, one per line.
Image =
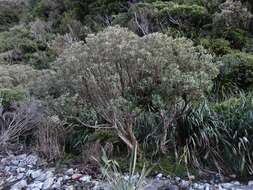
172,78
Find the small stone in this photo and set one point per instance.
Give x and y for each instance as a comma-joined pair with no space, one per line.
207,187
227,185
36,174
76,176
85,178
236,182
20,176
57,184
35,185
11,178
184,184
32,160
70,171
66,177
15,162
48,183
159,175
177,179
7,168
20,185
167,187
232,176
20,170
250,183
71,187
191,177
45,176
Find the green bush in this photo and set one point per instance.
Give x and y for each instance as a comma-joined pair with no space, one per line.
122,74
231,15
9,96
218,46
218,136
32,50
236,75
18,75
237,117
190,15
9,15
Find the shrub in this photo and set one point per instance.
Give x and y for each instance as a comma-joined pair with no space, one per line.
119,74
26,47
185,16
142,19
9,14
50,137
232,15
218,46
9,96
237,38
199,135
18,75
236,113
20,121
218,136
236,75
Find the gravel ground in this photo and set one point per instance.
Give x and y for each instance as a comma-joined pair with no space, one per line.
26,172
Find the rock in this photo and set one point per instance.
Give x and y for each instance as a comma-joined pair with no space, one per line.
169,187
177,179
150,187
250,183
36,174
48,183
235,182
233,176
191,177
58,183
70,171
19,185
20,170
71,187
85,178
35,185
184,184
76,176
227,185
66,177
207,187
20,176
31,160
159,175
12,178
45,176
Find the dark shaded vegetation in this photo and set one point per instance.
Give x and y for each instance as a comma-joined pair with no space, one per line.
172,78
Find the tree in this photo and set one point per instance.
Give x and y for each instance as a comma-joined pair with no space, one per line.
121,74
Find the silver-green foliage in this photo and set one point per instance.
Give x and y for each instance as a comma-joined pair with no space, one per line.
117,61
119,74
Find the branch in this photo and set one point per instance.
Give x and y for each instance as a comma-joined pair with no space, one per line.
101,126
138,24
